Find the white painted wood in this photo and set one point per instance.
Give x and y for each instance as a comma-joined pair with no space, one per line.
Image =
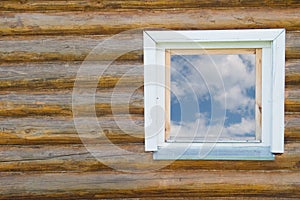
266,95
212,144
215,153
215,35
278,76
212,45
160,99
150,80
272,42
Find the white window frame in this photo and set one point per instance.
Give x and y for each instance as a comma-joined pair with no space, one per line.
272,43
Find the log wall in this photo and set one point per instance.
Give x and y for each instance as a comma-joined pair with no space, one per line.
42,46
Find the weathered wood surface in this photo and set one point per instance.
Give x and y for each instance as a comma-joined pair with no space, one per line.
67,48
34,82
168,184
119,129
292,127
50,76
106,103
293,45
78,158
111,22
80,5
59,130
292,101
292,78
76,48
41,154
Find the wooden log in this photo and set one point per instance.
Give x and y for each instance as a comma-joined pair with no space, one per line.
68,48
119,129
48,130
57,76
112,22
68,70
78,158
168,184
76,48
106,103
80,5
57,83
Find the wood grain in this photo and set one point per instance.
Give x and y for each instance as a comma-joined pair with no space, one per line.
168,184
60,130
130,101
292,127
258,94
42,156
292,101
92,5
112,22
78,158
68,48
51,76
293,45
76,48
106,102
119,129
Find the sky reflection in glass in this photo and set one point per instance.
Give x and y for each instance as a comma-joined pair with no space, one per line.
195,84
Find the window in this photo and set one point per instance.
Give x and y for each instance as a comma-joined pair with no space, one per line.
203,99
214,94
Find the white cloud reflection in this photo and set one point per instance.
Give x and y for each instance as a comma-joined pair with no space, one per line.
196,78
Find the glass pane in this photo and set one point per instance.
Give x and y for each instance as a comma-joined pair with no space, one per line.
212,97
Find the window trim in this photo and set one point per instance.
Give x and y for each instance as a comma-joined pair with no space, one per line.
272,42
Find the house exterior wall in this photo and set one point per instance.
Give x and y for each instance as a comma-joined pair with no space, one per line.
43,45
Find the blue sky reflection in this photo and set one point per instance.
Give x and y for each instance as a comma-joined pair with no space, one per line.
194,85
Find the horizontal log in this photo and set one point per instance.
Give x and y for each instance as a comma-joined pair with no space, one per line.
107,102
155,184
112,22
58,130
62,75
69,48
118,129
57,76
79,5
131,159
68,70
76,48
57,83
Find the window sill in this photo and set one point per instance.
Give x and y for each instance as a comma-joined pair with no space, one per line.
209,152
